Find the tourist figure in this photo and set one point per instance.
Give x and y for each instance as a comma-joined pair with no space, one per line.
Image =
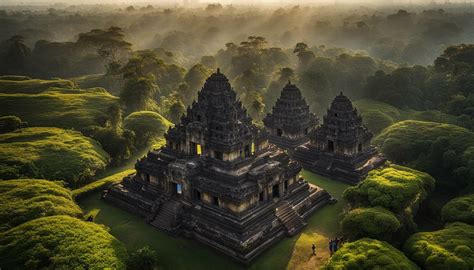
330,247
336,244
314,249
90,218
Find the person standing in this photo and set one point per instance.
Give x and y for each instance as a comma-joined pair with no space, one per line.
314,249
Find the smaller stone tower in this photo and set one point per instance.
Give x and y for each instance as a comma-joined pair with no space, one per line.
291,120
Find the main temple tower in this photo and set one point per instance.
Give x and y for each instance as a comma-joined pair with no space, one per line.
219,181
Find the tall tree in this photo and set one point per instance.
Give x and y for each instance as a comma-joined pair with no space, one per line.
14,55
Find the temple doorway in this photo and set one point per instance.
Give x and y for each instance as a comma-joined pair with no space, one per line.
330,146
177,189
276,191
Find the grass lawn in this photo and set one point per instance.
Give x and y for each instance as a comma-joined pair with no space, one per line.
179,253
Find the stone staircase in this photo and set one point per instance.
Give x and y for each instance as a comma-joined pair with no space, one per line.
167,216
290,219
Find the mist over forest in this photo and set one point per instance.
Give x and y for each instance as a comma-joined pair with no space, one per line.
88,89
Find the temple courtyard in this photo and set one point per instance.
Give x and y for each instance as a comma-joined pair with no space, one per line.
181,253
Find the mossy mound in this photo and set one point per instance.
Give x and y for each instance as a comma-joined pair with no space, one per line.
373,222
449,248
148,126
60,107
379,115
444,151
26,85
23,200
50,153
368,253
60,242
392,187
459,209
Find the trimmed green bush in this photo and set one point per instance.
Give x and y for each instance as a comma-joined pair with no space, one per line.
10,123
60,242
148,126
375,222
50,153
459,209
101,184
393,187
444,151
23,200
368,253
450,248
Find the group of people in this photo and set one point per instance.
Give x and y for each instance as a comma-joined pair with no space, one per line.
334,245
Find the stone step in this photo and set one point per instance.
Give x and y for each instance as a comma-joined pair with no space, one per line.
166,216
289,217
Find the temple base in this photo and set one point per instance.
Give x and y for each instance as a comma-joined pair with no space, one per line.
241,237
350,170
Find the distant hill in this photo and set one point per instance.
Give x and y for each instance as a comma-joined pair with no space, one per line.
379,115
55,103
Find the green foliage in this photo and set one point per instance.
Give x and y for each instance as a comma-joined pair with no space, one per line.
23,200
375,222
100,184
143,259
60,242
172,107
138,94
393,187
449,248
368,253
118,143
148,126
459,209
378,115
444,151
9,85
60,107
50,153
10,123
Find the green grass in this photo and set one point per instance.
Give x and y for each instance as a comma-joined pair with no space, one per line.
33,86
50,153
379,115
23,200
60,242
100,184
179,253
59,107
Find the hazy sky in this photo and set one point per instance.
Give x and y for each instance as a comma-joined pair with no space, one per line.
157,2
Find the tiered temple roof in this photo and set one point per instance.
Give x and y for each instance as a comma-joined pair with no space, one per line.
219,181
340,148
291,120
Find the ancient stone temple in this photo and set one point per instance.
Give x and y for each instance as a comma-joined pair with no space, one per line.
219,181
291,120
340,148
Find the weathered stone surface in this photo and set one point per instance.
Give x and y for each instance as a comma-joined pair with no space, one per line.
340,148
291,120
218,180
